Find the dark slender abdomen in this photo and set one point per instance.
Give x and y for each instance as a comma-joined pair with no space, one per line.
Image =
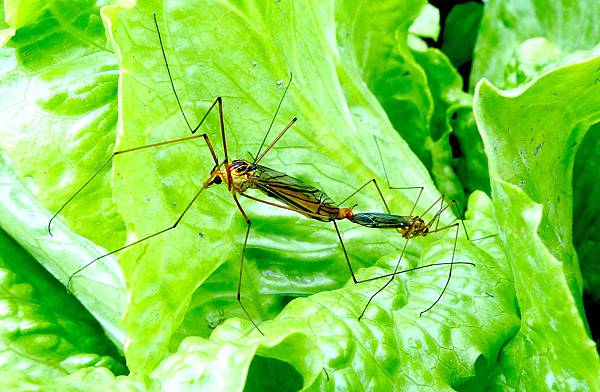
379,220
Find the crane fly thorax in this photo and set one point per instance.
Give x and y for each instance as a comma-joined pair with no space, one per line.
241,172
416,227
242,175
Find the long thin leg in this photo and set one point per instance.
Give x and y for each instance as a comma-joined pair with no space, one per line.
337,230
452,263
386,283
138,241
239,286
387,178
374,182
438,214
219,100
449,273
380,193
436,218
185,139
415,269
462,218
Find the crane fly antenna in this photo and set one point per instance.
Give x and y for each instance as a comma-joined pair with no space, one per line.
273,119
162,48
275,140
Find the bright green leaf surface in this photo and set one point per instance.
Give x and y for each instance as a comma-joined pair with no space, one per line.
58,104
519,39
536,129
6,30
395,349
387,66
103,292
44,332
355,77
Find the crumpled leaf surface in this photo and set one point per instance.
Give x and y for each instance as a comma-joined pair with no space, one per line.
533,207
358,72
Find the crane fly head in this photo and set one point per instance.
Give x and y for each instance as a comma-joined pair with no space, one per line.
217,176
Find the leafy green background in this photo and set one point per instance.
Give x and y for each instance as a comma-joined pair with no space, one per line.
83,79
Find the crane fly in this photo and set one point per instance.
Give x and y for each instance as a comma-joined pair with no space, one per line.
410,227
240,175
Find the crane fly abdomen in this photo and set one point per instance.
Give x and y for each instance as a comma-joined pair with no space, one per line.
379,220
408,226
306,199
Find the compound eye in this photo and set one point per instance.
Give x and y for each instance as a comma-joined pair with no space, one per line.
217,180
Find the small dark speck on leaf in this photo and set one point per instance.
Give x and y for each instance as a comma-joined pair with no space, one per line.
537,149
201,234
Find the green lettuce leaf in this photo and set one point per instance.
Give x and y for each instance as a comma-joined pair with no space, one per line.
355,77
520,39
383,58
44,333
533,205
24,219
59,85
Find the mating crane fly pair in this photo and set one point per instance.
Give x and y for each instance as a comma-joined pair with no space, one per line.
291,194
